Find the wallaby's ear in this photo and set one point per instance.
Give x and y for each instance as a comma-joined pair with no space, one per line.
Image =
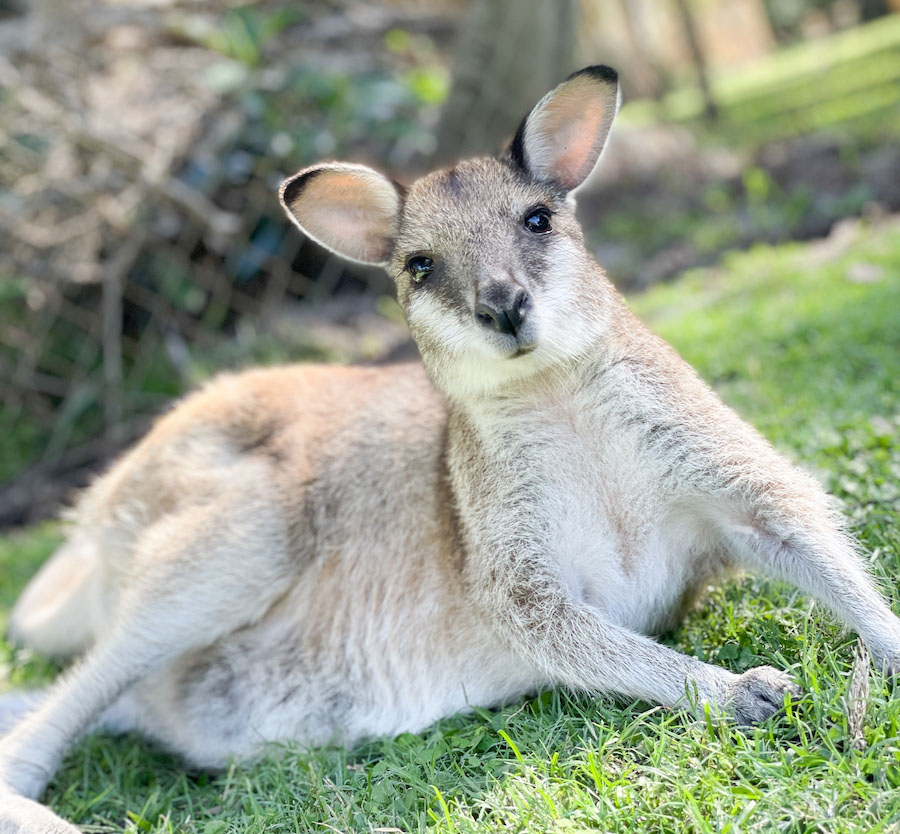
560,140
350,209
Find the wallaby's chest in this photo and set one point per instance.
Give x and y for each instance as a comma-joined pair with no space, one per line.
612,523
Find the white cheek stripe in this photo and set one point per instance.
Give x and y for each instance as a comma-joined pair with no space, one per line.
427,315
466,359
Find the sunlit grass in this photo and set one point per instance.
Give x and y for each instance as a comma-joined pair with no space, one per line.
849,78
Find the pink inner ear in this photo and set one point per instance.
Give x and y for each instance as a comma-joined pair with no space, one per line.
347,213
565,135
351,211
580,144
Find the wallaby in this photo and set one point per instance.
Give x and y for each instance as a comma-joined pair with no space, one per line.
317,555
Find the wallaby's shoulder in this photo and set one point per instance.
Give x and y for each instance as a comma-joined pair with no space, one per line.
645,367
274,426
246,408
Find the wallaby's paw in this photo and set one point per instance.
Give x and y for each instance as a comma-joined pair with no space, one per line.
19,815
885,651
889,665
758,694
887,662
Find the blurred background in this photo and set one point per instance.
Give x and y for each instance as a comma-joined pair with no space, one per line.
142,143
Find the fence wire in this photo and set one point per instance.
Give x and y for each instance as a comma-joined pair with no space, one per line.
141,242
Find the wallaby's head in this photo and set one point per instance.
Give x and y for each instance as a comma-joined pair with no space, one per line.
488,258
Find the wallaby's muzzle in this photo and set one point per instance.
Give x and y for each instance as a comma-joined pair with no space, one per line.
503,309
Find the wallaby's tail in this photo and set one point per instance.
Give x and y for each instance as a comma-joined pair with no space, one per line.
60,610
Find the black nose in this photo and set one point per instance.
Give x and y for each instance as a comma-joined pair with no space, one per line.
507,320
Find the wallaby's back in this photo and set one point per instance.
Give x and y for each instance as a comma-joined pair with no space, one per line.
333,447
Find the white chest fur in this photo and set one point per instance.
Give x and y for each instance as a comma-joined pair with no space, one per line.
622,538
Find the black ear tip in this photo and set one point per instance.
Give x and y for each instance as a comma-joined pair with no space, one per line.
293,186
600,72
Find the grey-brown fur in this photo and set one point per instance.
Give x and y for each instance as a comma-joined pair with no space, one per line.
319,555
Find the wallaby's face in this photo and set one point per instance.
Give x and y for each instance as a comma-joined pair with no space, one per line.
487,256
490,270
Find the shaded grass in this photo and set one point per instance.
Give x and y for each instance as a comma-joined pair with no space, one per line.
812,358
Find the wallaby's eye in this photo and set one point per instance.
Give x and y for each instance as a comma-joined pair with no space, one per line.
420,267
538,221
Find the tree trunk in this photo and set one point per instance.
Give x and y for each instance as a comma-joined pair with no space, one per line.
690,33
508,56
872,9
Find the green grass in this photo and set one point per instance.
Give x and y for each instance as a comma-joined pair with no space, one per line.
848,81
811,357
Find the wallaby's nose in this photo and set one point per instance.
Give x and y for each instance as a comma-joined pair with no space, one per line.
503,318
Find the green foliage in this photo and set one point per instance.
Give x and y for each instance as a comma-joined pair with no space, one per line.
298,116
374,109
242,32
804,342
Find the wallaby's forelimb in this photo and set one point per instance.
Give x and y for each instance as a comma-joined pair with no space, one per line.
810,551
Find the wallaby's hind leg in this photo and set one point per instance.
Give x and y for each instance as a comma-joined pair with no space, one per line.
62,608
194,576
14,706
121,717
808,549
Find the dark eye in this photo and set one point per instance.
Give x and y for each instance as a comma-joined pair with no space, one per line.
420,267
538,221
